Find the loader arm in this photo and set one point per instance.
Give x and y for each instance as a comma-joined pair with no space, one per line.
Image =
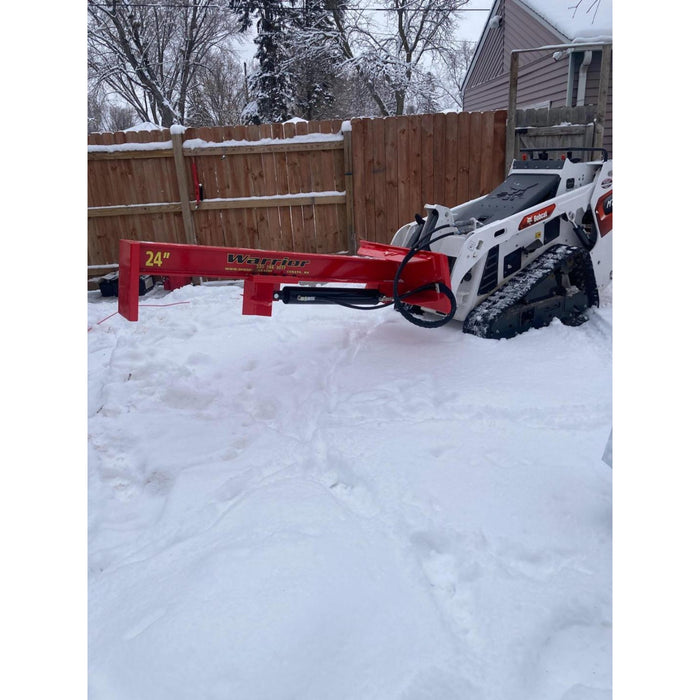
264,273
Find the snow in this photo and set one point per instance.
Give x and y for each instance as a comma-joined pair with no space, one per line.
315,137
148,146
591,20
331,503
146,126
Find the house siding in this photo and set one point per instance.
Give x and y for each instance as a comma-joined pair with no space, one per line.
491,53
539,74
541,80
591,97
524,29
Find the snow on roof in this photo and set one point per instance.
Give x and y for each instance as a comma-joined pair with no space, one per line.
587,19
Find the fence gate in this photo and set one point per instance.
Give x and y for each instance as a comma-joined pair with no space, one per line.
557,127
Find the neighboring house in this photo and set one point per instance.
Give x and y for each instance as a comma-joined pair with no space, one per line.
551,78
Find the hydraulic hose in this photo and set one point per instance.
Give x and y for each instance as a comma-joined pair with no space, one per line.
404,309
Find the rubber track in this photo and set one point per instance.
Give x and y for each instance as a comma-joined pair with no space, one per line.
480,318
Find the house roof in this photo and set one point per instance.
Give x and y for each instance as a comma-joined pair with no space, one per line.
591,20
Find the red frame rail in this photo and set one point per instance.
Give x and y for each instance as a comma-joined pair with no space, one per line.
264,271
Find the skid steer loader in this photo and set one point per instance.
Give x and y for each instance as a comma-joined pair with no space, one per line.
538,247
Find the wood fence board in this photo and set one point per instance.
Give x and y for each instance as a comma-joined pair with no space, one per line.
464,140
254,168
415,200
367,165
159,173
336,176
379,156
286,235
499,146
123,193
326,216
237,221
97,181
438,159
99,233
241,163
214,176
294,180
487,156
309,230
475,138
391,177
403,168
451,159
269,187
426,159
210,226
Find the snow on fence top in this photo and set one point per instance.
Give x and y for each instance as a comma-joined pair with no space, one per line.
201,143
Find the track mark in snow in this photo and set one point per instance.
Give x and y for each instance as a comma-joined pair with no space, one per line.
144,624
535,564
570,659
598,329
451,564
358,408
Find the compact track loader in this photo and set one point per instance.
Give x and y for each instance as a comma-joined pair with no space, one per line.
538,247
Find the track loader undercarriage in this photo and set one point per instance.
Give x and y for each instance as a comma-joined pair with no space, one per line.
559,284
538,247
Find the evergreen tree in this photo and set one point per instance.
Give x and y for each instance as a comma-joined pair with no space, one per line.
316,81
270,87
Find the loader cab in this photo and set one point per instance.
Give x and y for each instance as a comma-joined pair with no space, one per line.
521,190
530,182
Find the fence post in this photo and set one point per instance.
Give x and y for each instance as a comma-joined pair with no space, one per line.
349,193
512,108
176,133
601,107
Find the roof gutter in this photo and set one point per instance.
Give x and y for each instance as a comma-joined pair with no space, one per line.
582,75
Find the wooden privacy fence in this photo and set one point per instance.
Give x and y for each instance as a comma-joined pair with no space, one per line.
298,186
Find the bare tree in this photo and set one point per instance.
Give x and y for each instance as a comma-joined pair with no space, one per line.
96,110
589,7
392,51
151,54
220,93
451,72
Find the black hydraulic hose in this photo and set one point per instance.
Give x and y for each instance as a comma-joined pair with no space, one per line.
587,241
399,305
404,309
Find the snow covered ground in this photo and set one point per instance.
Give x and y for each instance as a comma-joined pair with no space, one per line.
338,504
